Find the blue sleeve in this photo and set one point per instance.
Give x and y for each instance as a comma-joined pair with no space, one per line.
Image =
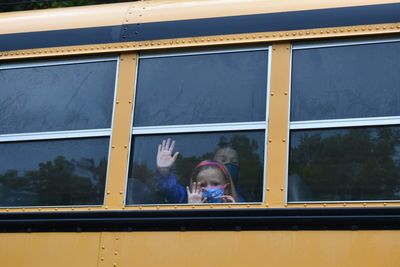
169,186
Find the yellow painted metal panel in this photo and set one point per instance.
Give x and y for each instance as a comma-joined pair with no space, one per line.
49,249
121,131
278,125
260,248
156,11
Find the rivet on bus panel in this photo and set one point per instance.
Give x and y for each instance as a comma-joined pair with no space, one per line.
112,146
102,259
114,264
108,192
364,204
272,93
305,205
285,205
269,140
344,204
106,207
283,140
268,188
282,188
324,204
115,253
125,146
103,247
23,209
384,204
286,93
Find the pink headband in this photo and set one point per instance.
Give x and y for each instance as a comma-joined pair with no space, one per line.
213,163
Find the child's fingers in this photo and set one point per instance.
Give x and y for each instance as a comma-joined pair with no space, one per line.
175,156
167,144
163,145
204,200
171,148
159,148
188,190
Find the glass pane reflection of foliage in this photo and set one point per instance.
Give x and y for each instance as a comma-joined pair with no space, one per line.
345,164
249,146
76,180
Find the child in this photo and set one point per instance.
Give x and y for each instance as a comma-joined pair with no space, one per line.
167,182
211,183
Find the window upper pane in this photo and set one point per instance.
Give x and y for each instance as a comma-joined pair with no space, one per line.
52,173
346,164
57,97
240,152
202,88
346,82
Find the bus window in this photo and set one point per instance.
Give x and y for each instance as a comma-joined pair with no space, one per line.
55,134
345,112
210,108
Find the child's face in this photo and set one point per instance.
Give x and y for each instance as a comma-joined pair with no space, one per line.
226,155
210,177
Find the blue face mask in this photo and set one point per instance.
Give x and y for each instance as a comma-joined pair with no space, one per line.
233,170
213,194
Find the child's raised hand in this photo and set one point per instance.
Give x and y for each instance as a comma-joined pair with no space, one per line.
165,159
227,199
195,194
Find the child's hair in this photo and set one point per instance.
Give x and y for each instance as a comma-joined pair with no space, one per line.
211,164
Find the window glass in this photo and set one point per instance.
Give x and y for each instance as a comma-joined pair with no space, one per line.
240,153
346,164
57,98
203,88
56,172
346,82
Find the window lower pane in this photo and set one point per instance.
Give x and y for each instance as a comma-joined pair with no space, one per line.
52,173
164,181
348,164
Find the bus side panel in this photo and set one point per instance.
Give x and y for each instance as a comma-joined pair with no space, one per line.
49,249
258,248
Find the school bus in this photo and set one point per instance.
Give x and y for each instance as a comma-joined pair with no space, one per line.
192,133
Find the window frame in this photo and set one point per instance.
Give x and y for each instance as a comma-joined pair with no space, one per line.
66,134
201,128
334,123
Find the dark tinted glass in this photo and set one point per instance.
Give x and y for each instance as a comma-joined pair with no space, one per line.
346,82
55,98
345,164
213,88
50,173
242,152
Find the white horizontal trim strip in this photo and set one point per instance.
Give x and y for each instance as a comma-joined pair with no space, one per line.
43,63
196,128
358,122
54,135
301,46
203,52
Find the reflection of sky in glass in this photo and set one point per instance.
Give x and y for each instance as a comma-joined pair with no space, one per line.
212,88
54,98
188,145
26,156
346,82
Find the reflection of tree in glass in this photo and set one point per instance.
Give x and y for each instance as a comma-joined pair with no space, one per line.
354,164
57,182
